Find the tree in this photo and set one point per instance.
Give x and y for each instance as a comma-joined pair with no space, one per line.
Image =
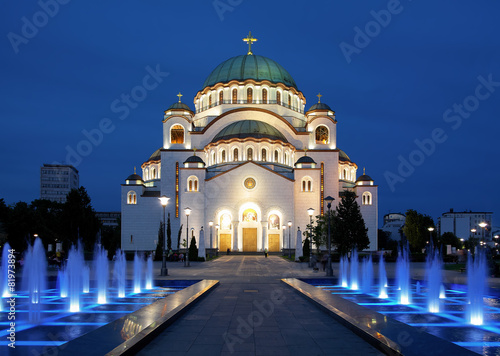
159,245
179,237
193,250
449,238
349,230
416,229
306,249
169,234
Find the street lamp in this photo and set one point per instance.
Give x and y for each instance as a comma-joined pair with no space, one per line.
217,240
329,270
187,211
283,239
483,225
431,229
310,211
164,271
211,223
289,240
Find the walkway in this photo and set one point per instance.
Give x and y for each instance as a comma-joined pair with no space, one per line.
253,313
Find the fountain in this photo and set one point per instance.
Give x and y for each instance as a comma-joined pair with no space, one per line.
354,269
149,272
476,277
74,274
137,273
120,271
35,279
102,273
382,277
367,275
344,263
62,282
4,284
433,268
86,279
403,275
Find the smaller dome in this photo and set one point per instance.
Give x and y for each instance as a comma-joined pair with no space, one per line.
249,128
134,177
320,106
306,160
179,106
365,178
156,156
194,159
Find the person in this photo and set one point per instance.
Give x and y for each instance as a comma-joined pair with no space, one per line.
228,250
324,260
181,257
265,252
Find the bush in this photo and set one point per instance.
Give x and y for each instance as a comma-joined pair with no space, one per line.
193,250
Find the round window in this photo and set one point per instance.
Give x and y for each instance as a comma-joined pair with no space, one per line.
249,183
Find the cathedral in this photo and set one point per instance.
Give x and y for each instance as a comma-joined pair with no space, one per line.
245,165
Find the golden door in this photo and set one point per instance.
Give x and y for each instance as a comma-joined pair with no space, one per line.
274,242
225,242
250,239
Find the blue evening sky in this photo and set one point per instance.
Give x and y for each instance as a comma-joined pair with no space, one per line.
429,73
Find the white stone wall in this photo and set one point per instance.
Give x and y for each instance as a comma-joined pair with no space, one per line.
369,212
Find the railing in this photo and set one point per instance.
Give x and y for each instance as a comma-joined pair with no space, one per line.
281,103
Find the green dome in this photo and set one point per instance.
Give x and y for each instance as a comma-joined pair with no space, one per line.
320,106
247,66
249,128
179,106
343,156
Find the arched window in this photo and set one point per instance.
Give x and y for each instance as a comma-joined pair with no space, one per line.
192,184
250,153
286,158
235,96
264,154
223,156
307,184
210,99
177,134
249,95
131,197
274,221
221,97
153,173
250,215
367,198
264,96
276,156
322,135
345,174
213,157
278,97
235,155
289,99
225,222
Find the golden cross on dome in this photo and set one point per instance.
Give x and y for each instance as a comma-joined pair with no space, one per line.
363,170
194,151
250,40
319,97
179,95
134,170
305,151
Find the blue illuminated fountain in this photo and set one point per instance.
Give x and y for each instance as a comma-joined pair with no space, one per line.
4,289
35,279
403,275
354,270
367,274
74,270
434,267
137,273
382,278
149,272
344,265
476,277
120,272
102,273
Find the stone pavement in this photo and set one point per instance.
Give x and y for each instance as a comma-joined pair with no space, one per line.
253,313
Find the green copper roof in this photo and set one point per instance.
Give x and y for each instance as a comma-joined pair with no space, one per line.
249,67
179,106
320,106
249,128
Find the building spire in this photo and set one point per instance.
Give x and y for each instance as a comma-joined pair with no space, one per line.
319,97
250,39
305,151
179,95
134,170
194,151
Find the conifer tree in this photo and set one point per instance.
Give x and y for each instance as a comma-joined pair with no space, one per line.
349,230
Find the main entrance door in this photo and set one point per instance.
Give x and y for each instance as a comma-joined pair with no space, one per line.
274,242
225,242
250,239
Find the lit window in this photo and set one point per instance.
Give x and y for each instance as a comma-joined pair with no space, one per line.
249,95
223,156
131,198
322,134
264,96
250,153
192,184
153,173
278,97
177,134
367,198
264,154
221,97
307,184
209,99
276,156
235,155
235,96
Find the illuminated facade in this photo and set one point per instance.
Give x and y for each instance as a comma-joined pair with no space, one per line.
249,158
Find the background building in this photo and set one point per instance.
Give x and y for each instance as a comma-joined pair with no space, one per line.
461,224
57,180
393,225
109,218
250,158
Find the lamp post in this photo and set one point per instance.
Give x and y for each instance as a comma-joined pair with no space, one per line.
310,211
483,225
283,239
329,270
187,211
164,271
217,240
289,239
211,223
431,229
